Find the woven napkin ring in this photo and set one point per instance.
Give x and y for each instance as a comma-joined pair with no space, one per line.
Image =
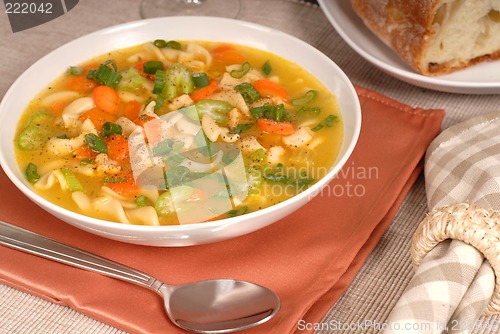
470,223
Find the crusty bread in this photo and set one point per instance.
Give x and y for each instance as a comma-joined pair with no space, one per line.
435,36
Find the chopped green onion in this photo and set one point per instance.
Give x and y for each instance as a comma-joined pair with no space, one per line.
150,67
266,68
142,201
115,179
308,97
312,110
110,128
106,75
179,81
249,93
173,45
75,70
327,122
160,79
238,74
200,80
31,173
96,143
161,43
280,178
112,63
277,113
238,212
240,128
160,100
86,161
71,180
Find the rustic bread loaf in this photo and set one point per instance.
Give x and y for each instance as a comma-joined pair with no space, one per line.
435,36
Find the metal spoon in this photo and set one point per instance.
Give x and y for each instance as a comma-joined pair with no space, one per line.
211,306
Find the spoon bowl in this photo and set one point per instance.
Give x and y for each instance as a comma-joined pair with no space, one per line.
210,306
219,306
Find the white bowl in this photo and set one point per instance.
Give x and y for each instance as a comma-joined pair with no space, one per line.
33,80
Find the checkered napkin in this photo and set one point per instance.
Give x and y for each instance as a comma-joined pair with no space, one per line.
455,250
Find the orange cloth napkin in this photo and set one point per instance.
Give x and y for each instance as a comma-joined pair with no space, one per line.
308,258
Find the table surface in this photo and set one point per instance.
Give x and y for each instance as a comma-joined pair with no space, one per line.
387,271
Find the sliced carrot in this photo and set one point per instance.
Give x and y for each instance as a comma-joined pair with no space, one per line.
228,55
98,117
270,88
204,92
222,48
117,148
132,109
84,152
107,99
143,119
58,107
80,83
271,126
124,184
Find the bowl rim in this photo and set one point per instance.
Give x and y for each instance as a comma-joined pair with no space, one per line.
312,191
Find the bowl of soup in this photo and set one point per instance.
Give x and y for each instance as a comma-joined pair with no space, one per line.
178,137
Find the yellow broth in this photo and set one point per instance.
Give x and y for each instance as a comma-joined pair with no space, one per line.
295,169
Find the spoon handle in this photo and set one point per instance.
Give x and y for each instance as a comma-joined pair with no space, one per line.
33,243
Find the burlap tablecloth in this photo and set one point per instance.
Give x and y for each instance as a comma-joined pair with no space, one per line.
366,305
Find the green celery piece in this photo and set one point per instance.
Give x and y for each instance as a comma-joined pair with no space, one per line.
71,180
131,79
36,132
215,108
164,205
179,81
142,201
32,137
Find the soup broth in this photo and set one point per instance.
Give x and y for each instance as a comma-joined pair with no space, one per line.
178,132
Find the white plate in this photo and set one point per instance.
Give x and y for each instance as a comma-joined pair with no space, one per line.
480,79
44,71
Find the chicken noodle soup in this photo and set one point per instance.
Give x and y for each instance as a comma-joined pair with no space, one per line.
178,132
